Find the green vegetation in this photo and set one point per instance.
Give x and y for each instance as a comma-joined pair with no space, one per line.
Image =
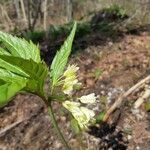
35,36
21,69
115,9
56,31
103,21
97,73
147,107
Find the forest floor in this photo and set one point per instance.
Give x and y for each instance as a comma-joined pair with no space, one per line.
108,67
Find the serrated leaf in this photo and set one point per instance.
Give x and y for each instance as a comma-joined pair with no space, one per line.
20,47
21,67
34,72
8,90
9,76
3,51
61,58
8,66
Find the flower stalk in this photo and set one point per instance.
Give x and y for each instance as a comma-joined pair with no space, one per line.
55,124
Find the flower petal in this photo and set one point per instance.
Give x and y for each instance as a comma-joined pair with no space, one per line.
81,114
70,79
89,113
70,105
86,99
71,70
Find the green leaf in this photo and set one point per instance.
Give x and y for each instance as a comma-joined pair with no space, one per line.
59,98
147,107
99,117
21,67
97,73
10,67
74,125
19,47
61,58
34,72
8,90
9,76
3,51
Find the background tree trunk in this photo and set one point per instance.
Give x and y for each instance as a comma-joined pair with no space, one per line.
23,11
69,10
16,2
45,15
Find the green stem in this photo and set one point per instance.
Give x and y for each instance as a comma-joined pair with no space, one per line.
53,119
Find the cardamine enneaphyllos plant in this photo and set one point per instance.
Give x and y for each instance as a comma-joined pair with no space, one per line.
21,69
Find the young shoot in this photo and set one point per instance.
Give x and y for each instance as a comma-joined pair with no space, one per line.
21,69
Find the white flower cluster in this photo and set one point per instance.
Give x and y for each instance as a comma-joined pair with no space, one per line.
70,79
81,114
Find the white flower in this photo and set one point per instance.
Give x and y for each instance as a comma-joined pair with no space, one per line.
86,118
71,106
67,89
81,114
68,86
70,79
89,113
71,71
88,99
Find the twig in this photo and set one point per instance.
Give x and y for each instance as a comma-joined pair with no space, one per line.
119,101
3,131
141,99
9,127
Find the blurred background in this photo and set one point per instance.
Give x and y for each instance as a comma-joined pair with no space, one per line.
40,14
43,21
112,49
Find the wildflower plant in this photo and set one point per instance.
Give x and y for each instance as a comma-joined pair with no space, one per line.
21,69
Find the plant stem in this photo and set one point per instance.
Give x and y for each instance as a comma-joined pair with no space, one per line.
53,119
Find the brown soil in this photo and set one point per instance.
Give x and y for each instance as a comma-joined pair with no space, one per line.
25,124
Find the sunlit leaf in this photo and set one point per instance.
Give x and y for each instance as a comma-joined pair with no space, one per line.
21,67
19,47
34,72
9,76
61,58
8,90
3,51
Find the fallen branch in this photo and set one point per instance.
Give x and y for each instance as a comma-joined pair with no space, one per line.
119,101
141,99
11,126
3,131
